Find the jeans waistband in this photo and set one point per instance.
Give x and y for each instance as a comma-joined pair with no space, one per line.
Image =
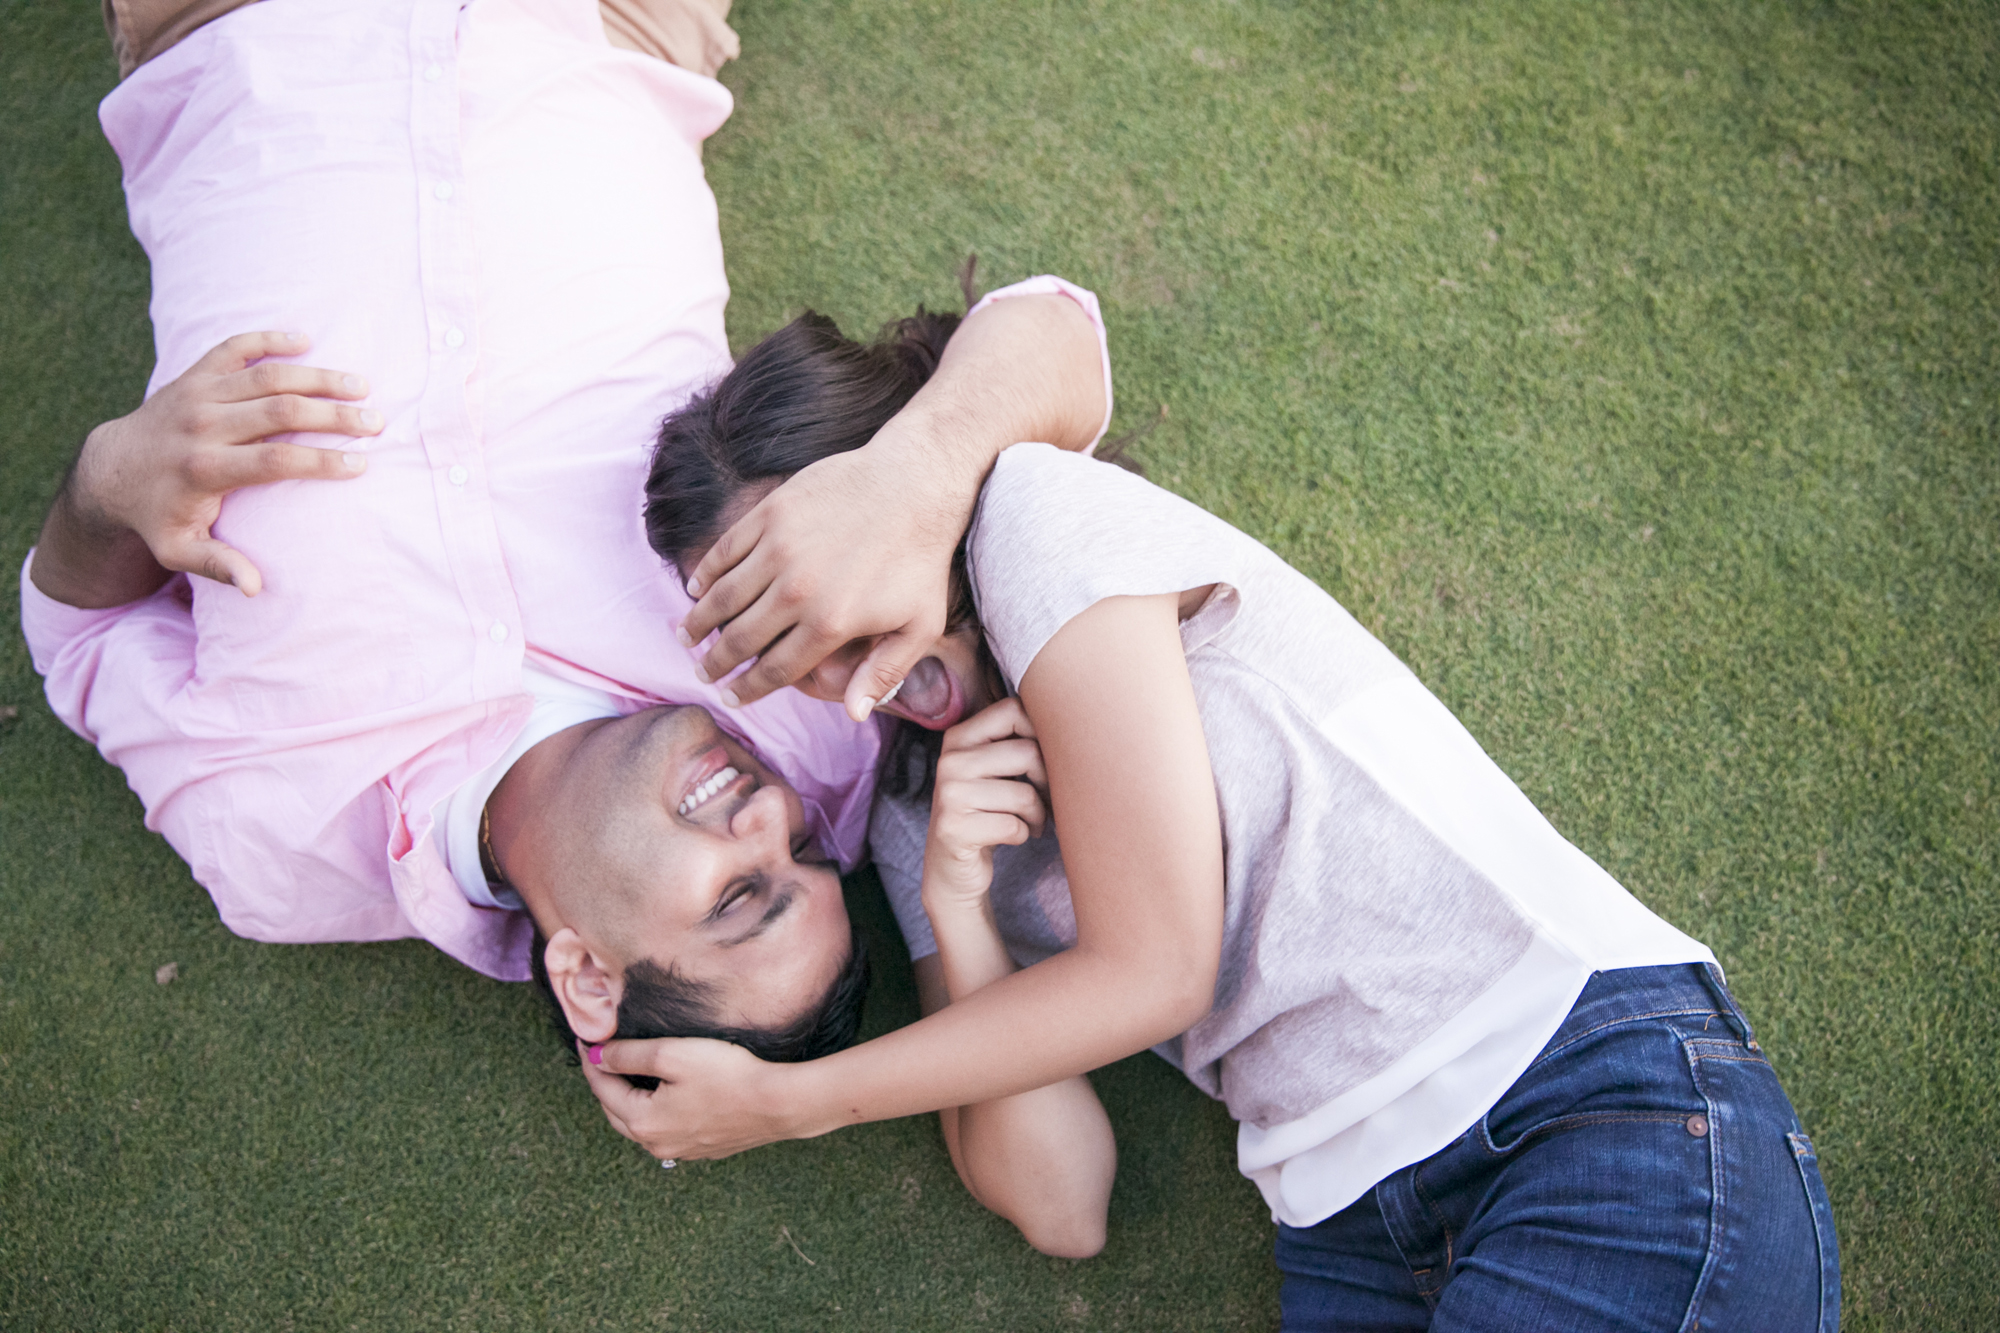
1631,992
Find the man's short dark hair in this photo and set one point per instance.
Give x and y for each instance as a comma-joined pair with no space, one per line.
660,1002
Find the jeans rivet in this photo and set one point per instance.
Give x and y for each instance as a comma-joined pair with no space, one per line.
1698,1124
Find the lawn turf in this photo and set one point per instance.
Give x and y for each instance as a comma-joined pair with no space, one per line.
1629,368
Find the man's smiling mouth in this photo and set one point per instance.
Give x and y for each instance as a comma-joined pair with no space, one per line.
709,789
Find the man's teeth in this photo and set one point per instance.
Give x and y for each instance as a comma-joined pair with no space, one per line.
699,796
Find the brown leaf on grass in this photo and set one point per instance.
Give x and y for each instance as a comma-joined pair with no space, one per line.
8,712
167,972
786,1232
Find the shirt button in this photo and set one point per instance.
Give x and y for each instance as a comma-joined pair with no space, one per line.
433,74
458,474
454,337
442,190
498,633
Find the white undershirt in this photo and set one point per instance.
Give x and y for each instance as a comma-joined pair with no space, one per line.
559,705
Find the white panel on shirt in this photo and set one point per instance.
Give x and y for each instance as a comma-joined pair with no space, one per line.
1584,922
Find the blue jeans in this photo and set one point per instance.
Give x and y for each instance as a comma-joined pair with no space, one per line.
1646,1173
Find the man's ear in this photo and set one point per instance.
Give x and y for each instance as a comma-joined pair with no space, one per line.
586,990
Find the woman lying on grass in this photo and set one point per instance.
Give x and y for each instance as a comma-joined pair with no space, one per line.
1479,1084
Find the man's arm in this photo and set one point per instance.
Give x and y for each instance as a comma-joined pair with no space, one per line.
140,498
859,545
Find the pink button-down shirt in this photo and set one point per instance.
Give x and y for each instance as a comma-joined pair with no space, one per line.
501,220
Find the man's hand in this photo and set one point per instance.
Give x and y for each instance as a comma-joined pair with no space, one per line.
714,1099
146,488
855,546
980,802
859,546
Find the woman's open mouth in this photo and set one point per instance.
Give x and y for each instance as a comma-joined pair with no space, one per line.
929,696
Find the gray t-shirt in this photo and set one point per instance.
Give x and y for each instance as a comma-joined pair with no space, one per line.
1394,907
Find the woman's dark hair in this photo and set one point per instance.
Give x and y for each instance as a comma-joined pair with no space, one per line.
803,394
660,1002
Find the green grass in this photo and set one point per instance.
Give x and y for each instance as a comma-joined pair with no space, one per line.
1630,368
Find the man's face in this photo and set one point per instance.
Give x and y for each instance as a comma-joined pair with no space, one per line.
677,845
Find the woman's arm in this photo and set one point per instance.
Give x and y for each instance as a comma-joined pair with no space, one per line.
1110,699
1043,1159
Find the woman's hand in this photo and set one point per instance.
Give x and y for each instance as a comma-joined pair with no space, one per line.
991,791
714,1100
147,487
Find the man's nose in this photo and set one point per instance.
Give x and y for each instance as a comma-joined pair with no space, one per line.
763,812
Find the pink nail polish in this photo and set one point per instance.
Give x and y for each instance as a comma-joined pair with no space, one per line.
596,1054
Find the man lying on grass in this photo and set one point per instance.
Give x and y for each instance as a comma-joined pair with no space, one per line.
527,283
1479,1084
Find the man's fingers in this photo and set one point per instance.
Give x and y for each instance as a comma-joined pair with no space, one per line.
214,560
733,600
882,671
795,654
232,354
220,470
725,555
268,378
293,414
768,628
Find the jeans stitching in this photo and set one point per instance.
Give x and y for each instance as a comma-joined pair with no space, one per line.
1802,1153
1718,1201
1450,1239
1578,1121
1622,1019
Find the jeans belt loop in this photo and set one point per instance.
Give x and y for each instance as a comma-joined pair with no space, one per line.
1711,976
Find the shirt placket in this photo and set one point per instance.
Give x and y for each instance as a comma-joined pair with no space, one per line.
448,420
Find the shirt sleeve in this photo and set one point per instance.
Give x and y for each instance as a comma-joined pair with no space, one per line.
1050,285
896,836
69,647
277,867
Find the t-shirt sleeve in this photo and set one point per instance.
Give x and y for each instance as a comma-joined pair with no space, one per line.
897,832
1050,285
1055,533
